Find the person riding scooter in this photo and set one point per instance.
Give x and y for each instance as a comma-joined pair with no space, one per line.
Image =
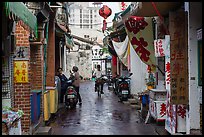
98,75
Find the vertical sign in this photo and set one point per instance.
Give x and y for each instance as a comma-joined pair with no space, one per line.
159,47
123,5
179,57
170,121
20,71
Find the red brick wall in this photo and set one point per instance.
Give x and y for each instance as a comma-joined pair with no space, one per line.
22,90
36,66
37,63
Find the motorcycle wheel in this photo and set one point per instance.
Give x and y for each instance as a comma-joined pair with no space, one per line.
72,106
99,90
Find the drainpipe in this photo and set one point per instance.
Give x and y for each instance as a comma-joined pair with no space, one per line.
45,67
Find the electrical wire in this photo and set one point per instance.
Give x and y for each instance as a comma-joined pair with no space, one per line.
87,24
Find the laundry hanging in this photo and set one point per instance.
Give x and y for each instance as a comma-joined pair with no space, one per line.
140,33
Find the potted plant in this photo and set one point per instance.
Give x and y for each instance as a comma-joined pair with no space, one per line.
150,82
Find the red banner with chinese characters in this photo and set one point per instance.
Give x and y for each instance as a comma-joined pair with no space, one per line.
20,71
140,33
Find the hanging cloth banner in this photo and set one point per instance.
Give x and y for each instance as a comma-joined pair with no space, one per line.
140,33
121,48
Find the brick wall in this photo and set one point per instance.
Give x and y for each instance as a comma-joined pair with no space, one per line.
37,63
22,90
36,66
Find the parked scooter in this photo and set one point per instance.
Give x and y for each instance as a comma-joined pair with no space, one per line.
115,83
124,87
71,98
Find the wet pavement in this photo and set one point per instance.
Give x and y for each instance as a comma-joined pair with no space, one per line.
99,116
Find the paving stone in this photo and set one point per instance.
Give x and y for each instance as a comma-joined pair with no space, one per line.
44,131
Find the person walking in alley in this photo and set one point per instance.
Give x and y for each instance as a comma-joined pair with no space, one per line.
63,80
76,82
98,74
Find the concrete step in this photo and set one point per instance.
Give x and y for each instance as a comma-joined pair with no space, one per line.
44,131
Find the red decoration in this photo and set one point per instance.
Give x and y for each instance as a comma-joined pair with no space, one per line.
123,5
149,68
105,11
104,25
163,109
181,111
114,60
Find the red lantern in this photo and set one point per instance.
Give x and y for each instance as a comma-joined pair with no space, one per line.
105,11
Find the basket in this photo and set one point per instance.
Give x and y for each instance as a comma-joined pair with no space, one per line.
99,81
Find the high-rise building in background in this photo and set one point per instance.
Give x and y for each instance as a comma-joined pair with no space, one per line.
85,22
84,16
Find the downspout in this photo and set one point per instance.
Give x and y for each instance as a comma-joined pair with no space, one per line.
45,64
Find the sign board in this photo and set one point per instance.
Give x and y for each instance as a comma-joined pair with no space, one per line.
20,71
179,57
159,47
170,121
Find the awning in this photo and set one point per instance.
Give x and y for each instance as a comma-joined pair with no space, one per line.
147,9
21,11
122,13
144,9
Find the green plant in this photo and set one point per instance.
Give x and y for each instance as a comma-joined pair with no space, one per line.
20,113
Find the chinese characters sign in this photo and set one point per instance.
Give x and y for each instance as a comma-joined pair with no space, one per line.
178,58
20,71
123,5
21,53
159,47
140,33
170,121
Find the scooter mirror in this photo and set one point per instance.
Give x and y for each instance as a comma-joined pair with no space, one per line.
131,74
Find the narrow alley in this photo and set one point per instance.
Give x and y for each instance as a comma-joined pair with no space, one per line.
148,54
99,116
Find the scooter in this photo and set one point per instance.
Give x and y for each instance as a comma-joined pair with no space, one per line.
71,98
99,82
115,81
124,87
